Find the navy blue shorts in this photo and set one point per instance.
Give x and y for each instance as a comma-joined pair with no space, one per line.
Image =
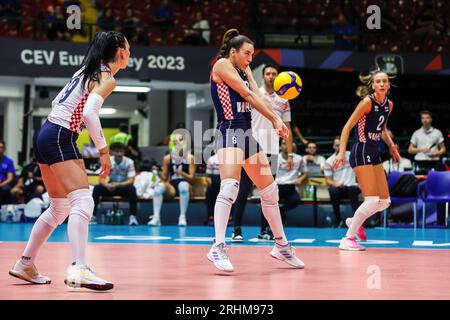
364,153
237,136
175,184
53,144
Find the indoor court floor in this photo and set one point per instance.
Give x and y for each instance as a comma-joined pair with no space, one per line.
169,263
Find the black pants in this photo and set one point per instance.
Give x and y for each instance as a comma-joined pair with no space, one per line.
124,191
339,193
4,194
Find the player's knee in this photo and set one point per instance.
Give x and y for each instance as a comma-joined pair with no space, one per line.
81,203
160,189
384,203
57,212
183,187
269,195
229,189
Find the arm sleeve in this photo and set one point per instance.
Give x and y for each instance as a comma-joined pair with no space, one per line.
91,118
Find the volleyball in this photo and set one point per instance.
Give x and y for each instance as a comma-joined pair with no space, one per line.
288,85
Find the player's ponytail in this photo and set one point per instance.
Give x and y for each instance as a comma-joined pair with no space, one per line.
367,79
232,39
101,50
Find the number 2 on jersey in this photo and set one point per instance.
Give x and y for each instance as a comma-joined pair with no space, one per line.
381,120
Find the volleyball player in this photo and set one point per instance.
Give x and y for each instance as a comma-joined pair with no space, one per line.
77,105
370,116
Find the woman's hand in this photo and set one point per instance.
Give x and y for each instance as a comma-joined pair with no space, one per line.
339,161
281,128
105,162
395,154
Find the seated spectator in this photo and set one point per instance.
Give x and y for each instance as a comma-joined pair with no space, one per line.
146,182
345,34
342,184
428,22
30,184
200,33
121,179
107,22
7,172
213,188
132,151
427,144
314,163
178,172
163,15
56,24
288,180
169,140
130,25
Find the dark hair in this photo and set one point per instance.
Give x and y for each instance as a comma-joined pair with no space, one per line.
337,138
310,142
426,112
117,146
232,39
3,143
101,50
123,127
270,65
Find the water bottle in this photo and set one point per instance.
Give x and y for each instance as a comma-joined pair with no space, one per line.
154,175
118,217
109,217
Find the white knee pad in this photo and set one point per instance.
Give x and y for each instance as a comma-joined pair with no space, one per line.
269,195
229,189
160,189
384,204
183,187
81,203
369,206
57,212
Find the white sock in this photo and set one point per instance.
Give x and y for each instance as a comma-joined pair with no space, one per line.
39,234
364,211
229,189
271,211
183,189
81,209
77,230
158,200
47,222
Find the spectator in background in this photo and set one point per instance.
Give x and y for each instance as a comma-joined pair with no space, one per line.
10,8
30,184
107,22
130,25
121,179
169,140
56,24
200,34
132,151
345,34
213,188
7,172
428,23
314,163
341,183
288,179
390,165
178,172
427,143
163,15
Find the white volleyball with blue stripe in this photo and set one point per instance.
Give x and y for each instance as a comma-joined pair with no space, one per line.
288,85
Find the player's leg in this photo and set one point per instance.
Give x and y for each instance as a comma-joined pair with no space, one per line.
258,169
55,214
